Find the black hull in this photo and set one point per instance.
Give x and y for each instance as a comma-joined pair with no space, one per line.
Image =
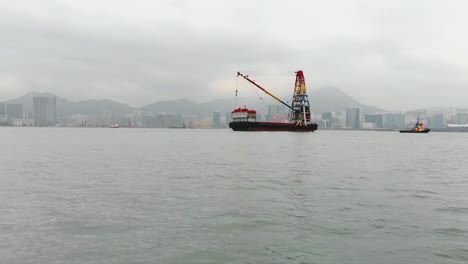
268,126
425,131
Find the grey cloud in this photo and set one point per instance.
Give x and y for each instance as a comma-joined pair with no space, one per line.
379,52
153,64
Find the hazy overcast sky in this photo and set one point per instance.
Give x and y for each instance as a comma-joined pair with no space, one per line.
392,54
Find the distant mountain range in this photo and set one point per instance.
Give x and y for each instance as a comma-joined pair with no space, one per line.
333,99
66,107
321,100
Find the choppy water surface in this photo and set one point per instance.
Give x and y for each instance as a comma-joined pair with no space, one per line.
217,196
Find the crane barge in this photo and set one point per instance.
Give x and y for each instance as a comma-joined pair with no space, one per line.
244,119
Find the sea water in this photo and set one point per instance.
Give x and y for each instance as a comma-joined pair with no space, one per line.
99,195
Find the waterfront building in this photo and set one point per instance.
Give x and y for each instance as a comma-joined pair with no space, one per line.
389,121
399,120
163,120
14,111
369,125
216,119
353,118
438,121
376,119
45,110
327,117
461,118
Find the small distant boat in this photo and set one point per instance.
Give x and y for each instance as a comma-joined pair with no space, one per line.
418,128
115,126
182,126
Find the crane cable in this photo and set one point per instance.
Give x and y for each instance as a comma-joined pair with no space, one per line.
261,98
237,88
260,74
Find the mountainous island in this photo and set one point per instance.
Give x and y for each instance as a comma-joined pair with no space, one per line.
321,100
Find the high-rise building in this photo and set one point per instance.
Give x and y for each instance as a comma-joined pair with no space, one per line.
438,121
14,111
328,119
429,122
353,118
216,119
389,121
368,118
399,120
461,118
376,119
45,110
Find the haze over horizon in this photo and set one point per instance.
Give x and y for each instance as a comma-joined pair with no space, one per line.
396,55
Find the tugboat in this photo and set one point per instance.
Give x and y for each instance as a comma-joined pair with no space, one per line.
418,128
299,117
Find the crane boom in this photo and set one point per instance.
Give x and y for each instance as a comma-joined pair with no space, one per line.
267,92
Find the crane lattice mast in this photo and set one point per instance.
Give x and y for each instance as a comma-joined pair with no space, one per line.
300,112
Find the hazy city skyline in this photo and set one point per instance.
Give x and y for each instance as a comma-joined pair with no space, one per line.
395,55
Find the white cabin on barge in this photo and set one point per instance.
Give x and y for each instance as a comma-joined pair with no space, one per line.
244,115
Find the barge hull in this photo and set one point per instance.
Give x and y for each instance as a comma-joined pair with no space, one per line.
415,131
270,126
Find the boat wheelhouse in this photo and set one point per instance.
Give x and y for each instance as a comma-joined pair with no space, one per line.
244,115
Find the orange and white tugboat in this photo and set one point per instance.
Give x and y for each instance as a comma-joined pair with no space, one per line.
418,128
